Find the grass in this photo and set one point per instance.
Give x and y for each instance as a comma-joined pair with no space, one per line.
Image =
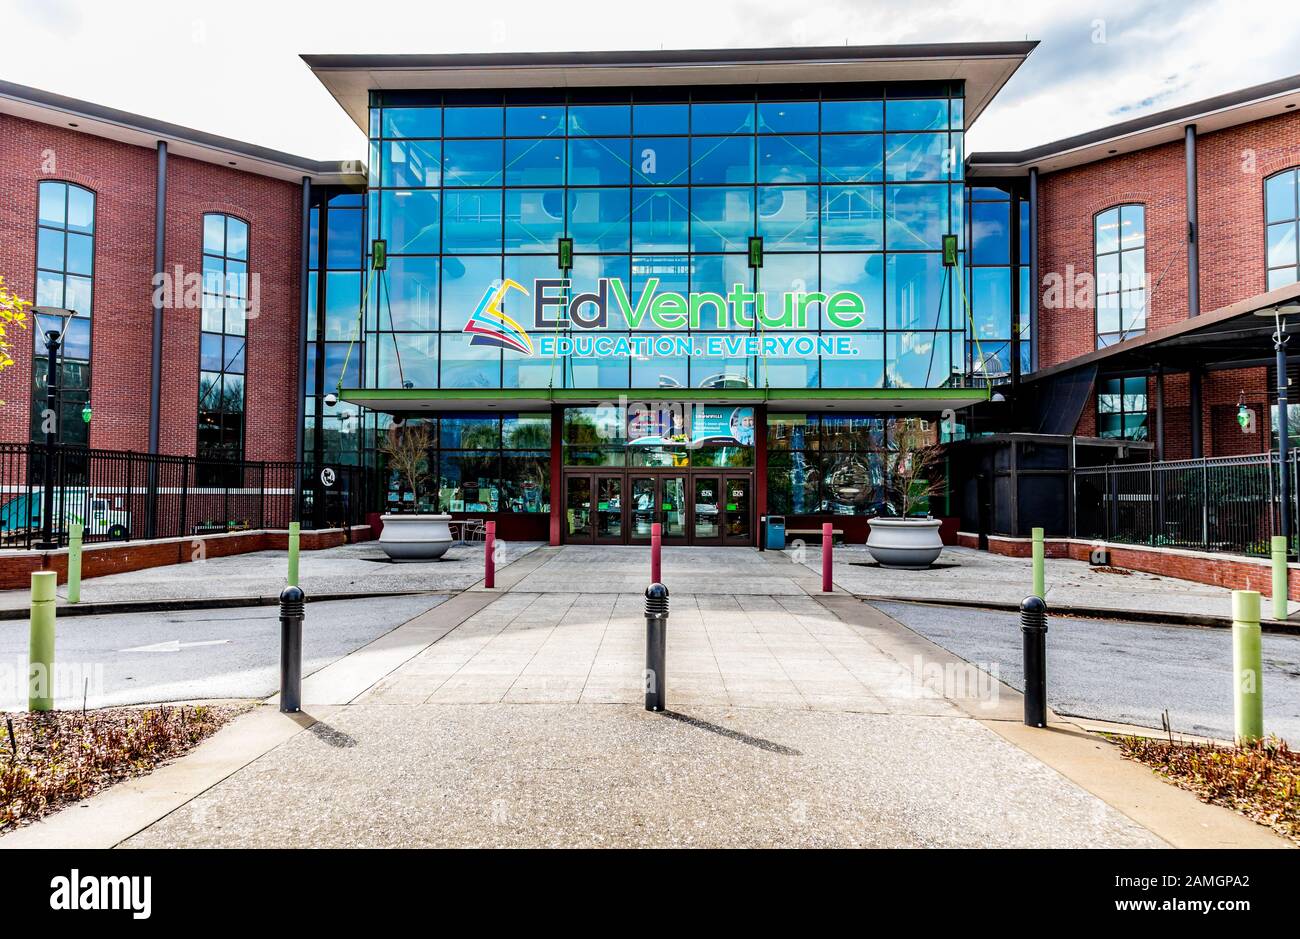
51,759
1260,780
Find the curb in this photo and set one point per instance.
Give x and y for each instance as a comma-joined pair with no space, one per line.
211,603
1154,617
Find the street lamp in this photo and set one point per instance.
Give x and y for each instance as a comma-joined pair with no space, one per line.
53,338
1278,315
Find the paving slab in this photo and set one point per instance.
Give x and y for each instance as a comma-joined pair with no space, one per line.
356,568
580,775
966,575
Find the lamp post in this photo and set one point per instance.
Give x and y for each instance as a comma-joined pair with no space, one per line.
53,339
1280,338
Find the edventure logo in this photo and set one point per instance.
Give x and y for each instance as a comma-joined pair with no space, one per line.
554,309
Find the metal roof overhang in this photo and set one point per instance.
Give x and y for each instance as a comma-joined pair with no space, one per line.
1230,337
45,107
984,67
402,400
1150,130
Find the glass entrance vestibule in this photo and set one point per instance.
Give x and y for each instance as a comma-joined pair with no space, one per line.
688,467
700,506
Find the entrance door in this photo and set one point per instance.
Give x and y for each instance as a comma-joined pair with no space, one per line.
610,514
579,520
737,511
708,509
658,498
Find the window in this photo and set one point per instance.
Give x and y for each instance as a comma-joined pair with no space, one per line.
1122,408
1282,218
1120,241
65,262
222,340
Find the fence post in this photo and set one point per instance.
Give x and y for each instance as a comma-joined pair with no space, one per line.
74,562
1205,503
1247,693
185,495
40,658
828,555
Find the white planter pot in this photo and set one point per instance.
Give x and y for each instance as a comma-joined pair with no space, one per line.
415,537
908,543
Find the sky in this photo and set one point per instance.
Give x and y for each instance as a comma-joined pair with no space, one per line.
232,68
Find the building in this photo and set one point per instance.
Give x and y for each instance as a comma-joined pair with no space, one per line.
690,287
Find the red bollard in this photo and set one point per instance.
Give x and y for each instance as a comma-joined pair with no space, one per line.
656,543
827,586
489,549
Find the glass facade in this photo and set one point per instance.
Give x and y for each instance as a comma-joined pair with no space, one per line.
65,270
489,463
850,188
998,295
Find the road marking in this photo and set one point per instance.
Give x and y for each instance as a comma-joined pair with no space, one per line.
176,645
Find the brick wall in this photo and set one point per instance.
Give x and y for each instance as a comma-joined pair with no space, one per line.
1232,165
122,177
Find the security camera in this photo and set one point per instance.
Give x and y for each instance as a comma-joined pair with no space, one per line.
331,399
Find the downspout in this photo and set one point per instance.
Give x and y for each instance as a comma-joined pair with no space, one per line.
1193,225
1034,336
159,247
304,276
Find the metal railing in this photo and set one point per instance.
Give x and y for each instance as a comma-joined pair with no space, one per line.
1220,504
122,495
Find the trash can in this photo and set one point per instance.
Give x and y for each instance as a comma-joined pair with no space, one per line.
774,532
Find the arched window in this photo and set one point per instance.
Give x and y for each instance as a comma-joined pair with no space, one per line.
65,279
1282,218
224,324
1119,240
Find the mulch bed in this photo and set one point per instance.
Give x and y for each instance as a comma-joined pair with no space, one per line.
1260,780
51,759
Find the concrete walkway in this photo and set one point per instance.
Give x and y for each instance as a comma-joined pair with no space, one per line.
514,717
348,569
966,575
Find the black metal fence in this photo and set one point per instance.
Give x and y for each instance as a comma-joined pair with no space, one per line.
1220,504
120,495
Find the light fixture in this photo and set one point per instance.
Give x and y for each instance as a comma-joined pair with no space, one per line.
331,399
999,397
86,413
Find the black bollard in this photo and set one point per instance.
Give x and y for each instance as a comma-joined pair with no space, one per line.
1033,627
291,616
656,647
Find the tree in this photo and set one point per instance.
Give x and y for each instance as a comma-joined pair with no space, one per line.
406,447
13,312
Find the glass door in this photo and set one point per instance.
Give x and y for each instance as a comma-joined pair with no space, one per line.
578,517
706,507
737,514
674,499
643,506
609,509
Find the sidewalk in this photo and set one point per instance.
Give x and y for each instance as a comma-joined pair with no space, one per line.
965,576
514,717
348,570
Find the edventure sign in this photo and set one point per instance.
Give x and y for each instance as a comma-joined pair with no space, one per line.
740,309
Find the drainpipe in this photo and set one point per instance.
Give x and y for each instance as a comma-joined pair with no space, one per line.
159,245
1193,225
1017,260
1034,281
304,265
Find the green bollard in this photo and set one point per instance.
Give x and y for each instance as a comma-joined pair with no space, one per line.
40,667
294,530
74,562
1040,588
1280,590
1247,666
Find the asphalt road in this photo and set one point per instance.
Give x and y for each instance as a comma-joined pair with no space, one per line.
1125,672
136,658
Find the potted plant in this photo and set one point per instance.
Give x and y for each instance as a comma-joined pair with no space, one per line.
911,541
412,536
